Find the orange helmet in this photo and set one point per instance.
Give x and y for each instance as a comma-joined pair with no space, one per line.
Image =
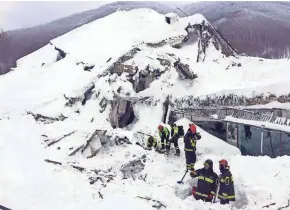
192,128
160,127
223,162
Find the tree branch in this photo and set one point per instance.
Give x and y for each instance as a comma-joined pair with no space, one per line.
3,34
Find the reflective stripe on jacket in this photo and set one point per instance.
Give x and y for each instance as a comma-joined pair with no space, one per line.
227,190
207,182
164,133
175,130
190,142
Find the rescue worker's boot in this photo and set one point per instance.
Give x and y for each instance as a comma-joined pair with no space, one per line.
167,150
177,152
162,148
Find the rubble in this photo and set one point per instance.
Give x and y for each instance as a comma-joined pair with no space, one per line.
133,167
183,70
61,54
46,119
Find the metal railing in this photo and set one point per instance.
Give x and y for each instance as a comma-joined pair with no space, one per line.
219,113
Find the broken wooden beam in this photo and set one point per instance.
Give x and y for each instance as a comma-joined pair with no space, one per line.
100,195
90,139
46,119
75,151
285,207
93,180
52,161
81,169
158,204
267,206
54,142
143,178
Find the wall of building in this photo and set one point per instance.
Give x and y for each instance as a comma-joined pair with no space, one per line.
248,140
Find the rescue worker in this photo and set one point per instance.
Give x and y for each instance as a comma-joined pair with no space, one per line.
207,182
227,190
152,142
164,136
190,139
174,139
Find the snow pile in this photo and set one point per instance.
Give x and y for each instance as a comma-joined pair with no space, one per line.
131,29
60,111
43,57
195,19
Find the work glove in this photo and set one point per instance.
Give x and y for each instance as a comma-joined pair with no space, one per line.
192,173
210,196
194,190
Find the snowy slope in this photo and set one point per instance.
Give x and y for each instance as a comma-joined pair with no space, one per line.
23,141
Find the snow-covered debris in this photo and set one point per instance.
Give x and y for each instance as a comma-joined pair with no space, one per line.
45,56
133,167
133,74
196,19
184,71
171,18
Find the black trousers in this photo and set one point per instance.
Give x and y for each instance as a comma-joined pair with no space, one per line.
165,144
174,140
224,201
190,160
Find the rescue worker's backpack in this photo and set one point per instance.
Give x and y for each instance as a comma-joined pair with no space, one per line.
180,130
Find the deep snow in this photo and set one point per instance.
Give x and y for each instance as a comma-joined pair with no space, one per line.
27,182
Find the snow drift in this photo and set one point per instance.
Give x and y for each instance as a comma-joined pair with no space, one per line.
79,102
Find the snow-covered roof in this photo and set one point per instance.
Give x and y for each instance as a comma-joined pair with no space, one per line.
171,15
267,125
271,105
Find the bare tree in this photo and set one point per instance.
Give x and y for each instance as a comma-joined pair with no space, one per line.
3,34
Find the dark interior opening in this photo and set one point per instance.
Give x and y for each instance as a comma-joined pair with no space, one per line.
165,110
128,117
167,19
